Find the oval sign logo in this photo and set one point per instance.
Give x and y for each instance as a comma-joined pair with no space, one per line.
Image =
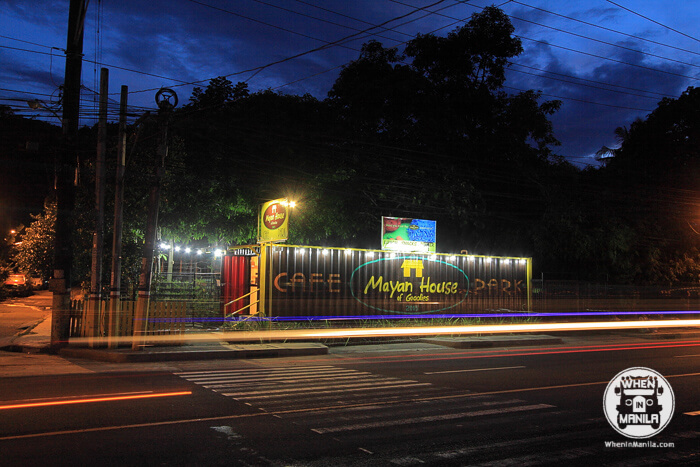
274,216
409,285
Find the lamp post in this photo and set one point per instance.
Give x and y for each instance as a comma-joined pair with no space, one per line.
37,104
273,227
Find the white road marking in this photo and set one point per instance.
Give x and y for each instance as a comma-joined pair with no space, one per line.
434,418
333,390
474,369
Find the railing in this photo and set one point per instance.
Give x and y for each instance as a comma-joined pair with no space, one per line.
240,298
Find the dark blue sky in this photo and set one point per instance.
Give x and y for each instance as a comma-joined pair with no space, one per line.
609,62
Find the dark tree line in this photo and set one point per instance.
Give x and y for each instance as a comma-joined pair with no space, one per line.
426,132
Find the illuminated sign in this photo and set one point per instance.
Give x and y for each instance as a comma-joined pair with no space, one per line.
409,285
273,221
408,235
319,282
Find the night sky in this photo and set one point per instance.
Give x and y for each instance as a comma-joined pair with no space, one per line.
609,62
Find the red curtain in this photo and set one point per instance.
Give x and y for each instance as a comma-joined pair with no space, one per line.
235,281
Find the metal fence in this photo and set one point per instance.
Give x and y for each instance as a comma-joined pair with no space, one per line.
577,296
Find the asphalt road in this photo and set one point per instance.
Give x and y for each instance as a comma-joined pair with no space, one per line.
365,405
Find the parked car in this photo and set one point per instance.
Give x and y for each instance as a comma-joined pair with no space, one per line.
16,280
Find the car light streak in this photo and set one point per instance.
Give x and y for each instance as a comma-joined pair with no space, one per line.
552,352
281,335
494,353
559,349
94,399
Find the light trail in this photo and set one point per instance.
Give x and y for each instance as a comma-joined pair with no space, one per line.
470,354
94,399
314,334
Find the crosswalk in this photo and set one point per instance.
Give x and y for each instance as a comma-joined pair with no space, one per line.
350,400
369,411
312,388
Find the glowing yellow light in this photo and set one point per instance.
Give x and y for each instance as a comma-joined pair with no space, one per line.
94,399
412,331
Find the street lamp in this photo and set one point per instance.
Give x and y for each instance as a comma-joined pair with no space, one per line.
37,104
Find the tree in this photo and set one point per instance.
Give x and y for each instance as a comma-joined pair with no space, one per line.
219,92
35,250
439,137
653,180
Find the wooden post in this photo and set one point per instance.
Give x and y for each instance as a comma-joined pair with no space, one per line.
116,277
95,300
60,283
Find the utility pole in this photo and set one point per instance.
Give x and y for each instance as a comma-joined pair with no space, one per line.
65,194
95,303
165,106
115,282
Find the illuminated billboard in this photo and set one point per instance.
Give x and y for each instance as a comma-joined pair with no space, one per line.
273,221
408,235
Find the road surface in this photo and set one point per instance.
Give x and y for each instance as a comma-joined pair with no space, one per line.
395,404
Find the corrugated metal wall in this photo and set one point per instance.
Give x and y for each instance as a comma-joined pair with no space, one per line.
329,282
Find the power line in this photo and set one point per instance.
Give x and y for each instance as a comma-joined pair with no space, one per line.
606,58
290,10
32,43
653,21
342,40
223,10
573,50
590,80
604,42
606,28
583,84
583,100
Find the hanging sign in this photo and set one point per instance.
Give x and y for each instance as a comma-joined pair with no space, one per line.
273,222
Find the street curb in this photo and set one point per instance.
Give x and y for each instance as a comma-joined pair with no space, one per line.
491,341
213,353
670,335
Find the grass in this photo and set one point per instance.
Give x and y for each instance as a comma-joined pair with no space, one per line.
269,325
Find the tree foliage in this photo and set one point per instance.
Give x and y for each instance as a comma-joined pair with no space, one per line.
34,254
428,132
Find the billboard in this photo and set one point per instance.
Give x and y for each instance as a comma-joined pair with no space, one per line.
315,282
273,221
408,235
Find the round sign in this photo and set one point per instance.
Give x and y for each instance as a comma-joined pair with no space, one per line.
638,402
274,216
